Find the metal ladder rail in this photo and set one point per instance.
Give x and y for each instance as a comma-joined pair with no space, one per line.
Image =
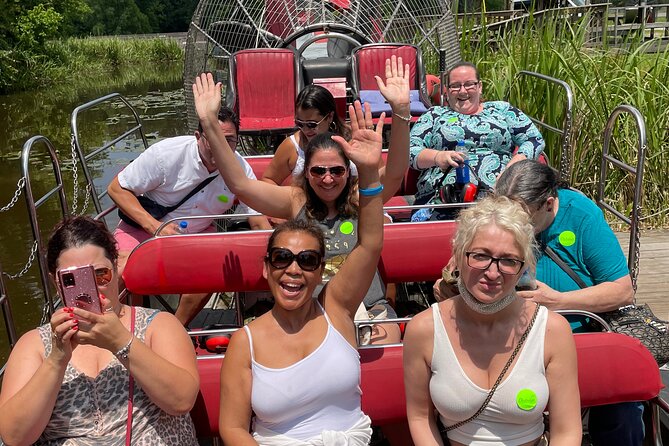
566,131
83,158
7,316
633,222
33,205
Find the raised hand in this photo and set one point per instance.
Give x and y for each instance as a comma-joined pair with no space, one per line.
396,88
364,148
207,94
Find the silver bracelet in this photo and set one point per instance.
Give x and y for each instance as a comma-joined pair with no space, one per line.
406,119
123,353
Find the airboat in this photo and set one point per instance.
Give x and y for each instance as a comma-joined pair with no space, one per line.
264,52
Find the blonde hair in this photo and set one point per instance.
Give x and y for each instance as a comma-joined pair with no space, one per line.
503,213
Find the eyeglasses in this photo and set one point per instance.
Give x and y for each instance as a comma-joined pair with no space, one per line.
282,258
469,85
103,276
308,124
482,261
321,171
231,141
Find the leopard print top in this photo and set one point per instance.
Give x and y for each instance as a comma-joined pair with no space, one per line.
93,411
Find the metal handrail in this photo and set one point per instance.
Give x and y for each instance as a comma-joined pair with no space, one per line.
7,313
32,205
633,222
566,131
83,159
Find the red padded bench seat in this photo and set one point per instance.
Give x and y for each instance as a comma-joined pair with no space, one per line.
612,368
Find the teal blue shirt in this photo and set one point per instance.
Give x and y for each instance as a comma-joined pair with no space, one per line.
582,238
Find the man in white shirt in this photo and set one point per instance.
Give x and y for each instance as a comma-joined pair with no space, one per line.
166,172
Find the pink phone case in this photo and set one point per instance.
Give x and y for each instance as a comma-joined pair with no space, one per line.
78,288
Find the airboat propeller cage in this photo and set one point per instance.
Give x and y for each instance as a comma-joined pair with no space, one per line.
220,28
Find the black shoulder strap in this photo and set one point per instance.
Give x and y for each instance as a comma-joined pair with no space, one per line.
193,192
570,272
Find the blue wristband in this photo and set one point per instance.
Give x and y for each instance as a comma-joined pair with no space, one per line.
371,191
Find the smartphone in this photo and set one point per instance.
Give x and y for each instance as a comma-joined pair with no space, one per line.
79,289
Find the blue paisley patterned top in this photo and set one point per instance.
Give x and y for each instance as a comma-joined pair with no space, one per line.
490,138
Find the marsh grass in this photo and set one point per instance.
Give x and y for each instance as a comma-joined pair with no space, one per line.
76,60
602,78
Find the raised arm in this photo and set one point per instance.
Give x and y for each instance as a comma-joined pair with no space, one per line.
418,341
396,91
268,199
349,286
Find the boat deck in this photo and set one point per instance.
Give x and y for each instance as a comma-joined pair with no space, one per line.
654,270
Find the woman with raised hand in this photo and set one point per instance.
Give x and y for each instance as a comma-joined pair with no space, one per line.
69,381
488,342
293,375
327,193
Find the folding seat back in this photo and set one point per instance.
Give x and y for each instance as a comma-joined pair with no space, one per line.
264,98
369,61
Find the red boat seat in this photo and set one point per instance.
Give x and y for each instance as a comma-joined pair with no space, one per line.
264,99
204,263
612,368
370,60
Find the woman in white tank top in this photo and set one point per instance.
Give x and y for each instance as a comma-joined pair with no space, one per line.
456,350
315,113
297,367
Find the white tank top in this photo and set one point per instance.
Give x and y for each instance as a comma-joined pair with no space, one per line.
514,415
320,392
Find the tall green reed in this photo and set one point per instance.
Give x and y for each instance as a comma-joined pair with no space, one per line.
602,77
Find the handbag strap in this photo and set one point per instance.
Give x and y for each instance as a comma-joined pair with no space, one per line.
197,189
500,377
131,386
566,268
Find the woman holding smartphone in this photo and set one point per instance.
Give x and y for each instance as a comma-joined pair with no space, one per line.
297,367
74,377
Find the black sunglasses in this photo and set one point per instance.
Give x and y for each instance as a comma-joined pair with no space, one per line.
282,258
308,124
320,171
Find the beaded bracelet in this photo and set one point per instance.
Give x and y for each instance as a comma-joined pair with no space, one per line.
406,119
123,353
371,191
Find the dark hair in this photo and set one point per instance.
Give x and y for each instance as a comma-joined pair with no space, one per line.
293,225
346,201
462,64
529,182
225,114
75,232
319,98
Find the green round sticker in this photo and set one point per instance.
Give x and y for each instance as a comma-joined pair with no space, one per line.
223,198
346,227
567,238
526,399
453,119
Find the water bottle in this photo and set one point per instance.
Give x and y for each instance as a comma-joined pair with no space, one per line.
462,171
423,214
183,227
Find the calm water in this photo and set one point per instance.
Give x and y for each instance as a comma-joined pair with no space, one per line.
160,104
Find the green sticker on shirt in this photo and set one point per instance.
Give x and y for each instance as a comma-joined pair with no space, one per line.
567,238
453,119
346,227
526,399
223,198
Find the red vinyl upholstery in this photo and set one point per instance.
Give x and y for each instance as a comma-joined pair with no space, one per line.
203,263
612,368
264,99
370,61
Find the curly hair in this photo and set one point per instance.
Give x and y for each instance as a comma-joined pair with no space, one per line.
347,202
502,212
76,232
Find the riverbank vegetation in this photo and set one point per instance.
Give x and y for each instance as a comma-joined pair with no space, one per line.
602,78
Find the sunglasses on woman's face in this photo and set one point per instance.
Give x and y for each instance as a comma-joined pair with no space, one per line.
308,124
103,275
321,171
282,258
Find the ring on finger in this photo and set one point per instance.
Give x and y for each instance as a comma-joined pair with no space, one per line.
55,336
370,127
